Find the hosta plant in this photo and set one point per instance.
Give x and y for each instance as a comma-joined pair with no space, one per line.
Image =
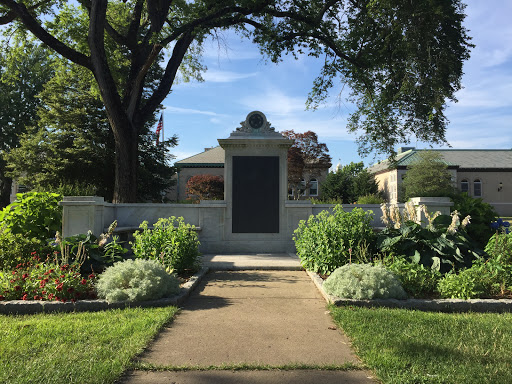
364,281
136,280
442,245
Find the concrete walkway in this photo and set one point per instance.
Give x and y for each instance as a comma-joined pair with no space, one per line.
257,317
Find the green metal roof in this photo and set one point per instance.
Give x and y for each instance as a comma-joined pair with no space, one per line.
463,158
213,157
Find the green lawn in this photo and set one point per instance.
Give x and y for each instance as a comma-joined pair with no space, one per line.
87,347
404,346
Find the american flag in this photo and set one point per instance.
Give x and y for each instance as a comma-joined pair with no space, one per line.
159,128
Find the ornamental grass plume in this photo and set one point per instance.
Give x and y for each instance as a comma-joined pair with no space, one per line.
385,214
396,217
455,222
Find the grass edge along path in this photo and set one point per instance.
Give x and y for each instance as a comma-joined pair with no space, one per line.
405,346
85,347
139,366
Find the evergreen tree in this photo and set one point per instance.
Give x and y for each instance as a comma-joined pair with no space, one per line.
349,183
428,176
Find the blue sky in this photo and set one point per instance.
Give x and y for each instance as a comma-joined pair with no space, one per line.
239,81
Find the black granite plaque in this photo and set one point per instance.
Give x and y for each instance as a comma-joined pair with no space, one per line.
255,194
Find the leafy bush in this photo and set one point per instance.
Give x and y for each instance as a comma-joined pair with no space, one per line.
205,187
325,242
364,281
442,245
33,214
416,279
17,249
482,214
91,252
484,279
349,183
37,280
500,244
136,280
371,199
171,242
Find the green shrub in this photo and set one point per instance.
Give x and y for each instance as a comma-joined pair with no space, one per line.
482,214
364,281
90,252
33,214
500,244
325,242
171,242
416,279
136,280
16,249
48,280
371,199
483,279
442,245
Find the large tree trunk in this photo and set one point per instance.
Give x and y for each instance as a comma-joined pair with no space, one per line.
127,164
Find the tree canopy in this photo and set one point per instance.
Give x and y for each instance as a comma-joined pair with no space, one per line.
402,60
307,160
22,77
349,183
428,176
72,144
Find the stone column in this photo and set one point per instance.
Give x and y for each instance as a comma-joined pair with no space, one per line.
81,214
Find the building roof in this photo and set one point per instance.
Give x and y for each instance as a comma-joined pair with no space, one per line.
461,158
211,157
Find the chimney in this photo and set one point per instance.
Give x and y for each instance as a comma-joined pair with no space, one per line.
404,149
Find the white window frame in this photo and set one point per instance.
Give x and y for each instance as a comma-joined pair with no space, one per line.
477,183
313,182
464,181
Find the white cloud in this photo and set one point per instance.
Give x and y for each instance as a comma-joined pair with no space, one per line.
190,111
215,76
273,102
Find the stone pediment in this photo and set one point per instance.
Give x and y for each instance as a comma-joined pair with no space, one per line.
255,125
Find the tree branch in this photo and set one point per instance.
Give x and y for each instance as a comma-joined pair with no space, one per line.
99,62
179,51
33,26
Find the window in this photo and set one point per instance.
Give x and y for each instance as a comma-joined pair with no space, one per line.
464,186
477,188
313,188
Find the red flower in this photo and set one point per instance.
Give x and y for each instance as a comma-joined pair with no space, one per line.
36,297
62,276
24,297
2,297
17,288
63,300
59,287
50,296
42,283
24,276
83,282
44,292
64,267
92,276
13,272
57,281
